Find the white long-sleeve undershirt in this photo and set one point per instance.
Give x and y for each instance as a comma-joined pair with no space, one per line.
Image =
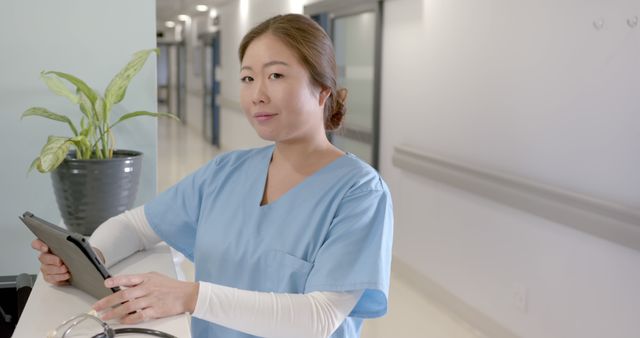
315,314
283,315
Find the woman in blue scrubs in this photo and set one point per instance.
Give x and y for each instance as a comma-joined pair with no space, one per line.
289,240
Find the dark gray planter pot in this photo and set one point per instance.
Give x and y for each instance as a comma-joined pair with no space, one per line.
89,192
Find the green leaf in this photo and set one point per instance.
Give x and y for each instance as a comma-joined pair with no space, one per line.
37,165
98,152
81,143
143,113
85,105
59,88
118,86
53,153
83,87
106,113
100,115
43,112
91,130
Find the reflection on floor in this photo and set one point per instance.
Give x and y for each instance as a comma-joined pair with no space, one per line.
182,150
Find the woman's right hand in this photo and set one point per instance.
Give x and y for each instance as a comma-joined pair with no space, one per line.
53,269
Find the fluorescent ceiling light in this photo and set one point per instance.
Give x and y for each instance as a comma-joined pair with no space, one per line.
244,10
202,8
170,24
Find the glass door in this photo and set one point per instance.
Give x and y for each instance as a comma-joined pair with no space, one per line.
356,33
211,83
355,63
167,77
181,97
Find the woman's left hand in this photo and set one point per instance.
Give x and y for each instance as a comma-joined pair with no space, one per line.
147,296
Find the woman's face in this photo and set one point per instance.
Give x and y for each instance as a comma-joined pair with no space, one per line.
276,93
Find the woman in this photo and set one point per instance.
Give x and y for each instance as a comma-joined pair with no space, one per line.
289,240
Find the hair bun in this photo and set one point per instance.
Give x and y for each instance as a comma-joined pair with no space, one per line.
341,95
338,111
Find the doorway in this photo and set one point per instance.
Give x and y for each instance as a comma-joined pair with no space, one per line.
211,87
355,29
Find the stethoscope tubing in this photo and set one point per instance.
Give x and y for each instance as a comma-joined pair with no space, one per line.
127,330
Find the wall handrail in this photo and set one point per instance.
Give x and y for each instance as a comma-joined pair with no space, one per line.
604,219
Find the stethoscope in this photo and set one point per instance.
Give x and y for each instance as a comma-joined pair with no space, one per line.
110,333
107,331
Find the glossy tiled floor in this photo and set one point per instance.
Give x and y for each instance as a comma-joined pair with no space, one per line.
180,152
411,315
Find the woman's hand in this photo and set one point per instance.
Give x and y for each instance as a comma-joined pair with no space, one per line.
147,296
53,269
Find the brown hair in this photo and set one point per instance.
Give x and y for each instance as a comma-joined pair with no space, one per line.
313,47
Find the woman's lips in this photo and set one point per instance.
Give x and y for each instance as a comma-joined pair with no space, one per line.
261,117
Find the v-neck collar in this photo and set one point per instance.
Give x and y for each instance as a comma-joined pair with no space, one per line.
265,174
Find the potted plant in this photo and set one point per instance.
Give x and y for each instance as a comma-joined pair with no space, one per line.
92,180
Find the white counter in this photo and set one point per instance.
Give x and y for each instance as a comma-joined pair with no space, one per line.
49,305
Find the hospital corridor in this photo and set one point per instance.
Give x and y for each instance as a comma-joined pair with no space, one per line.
307,168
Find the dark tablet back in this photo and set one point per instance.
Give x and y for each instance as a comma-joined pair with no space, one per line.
87,272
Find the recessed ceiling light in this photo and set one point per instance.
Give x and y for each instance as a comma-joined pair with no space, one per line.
170,24
202,8
213,12
183,17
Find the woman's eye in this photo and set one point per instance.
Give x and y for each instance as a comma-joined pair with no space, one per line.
275,76
246,79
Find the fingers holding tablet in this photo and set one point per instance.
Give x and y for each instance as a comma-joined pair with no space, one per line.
53,269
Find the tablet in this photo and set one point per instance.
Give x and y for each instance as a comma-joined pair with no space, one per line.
87,272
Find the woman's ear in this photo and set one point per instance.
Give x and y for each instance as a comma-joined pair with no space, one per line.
324,95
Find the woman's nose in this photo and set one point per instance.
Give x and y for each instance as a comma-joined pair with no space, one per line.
260,93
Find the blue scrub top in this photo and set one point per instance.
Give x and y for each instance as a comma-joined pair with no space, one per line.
331,232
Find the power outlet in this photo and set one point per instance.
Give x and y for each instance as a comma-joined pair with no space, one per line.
520,297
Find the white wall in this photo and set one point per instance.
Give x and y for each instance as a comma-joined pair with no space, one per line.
92,40
532,89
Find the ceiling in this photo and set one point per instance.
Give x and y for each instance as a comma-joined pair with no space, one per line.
169,9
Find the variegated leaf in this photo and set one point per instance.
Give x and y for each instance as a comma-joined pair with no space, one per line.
82,144
37,164
99,105
143,113
83,87
43,112
53,153
85,105
118,86
58,87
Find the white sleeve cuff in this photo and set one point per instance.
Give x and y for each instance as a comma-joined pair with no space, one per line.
316,314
